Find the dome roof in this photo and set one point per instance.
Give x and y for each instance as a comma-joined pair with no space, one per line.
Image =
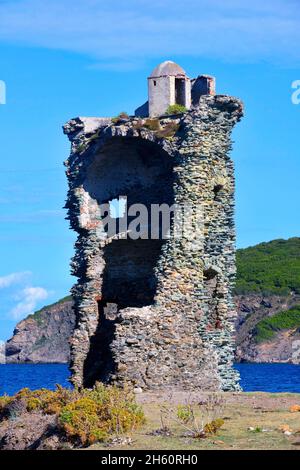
168,68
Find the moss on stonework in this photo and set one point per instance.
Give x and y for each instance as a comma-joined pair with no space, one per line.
168,131
122,115
152,124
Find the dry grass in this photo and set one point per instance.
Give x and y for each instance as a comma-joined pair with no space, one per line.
264,412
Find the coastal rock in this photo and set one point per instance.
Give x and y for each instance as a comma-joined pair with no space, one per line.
252,308
43,337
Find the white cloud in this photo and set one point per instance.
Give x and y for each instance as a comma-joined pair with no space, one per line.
125,33
28,300
13,278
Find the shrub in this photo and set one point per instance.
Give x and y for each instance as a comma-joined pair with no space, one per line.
49,401
79,420
267,328
4,401
100,412
176,109
213,426
199,420
85,416
185,413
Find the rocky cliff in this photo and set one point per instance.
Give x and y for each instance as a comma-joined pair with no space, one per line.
43,336
256,309
268,302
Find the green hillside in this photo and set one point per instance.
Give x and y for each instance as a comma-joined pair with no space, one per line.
267,328
269,268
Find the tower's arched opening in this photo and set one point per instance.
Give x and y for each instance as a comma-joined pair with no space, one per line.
141,173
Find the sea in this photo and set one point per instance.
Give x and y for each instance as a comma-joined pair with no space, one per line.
275,378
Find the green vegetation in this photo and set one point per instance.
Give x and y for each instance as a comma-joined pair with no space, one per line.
98,413
37,316
269,268
71,420
85,416
176,109
267,328
245,426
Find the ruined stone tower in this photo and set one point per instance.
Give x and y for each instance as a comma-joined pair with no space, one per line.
155,311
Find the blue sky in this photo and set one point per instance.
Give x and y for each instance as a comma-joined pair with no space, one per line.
60,59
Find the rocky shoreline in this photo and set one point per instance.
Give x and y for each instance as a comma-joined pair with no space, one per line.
43,337
251,309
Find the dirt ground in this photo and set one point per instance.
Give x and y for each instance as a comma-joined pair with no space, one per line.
251,421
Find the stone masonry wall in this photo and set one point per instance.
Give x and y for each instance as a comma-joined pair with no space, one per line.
155,313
